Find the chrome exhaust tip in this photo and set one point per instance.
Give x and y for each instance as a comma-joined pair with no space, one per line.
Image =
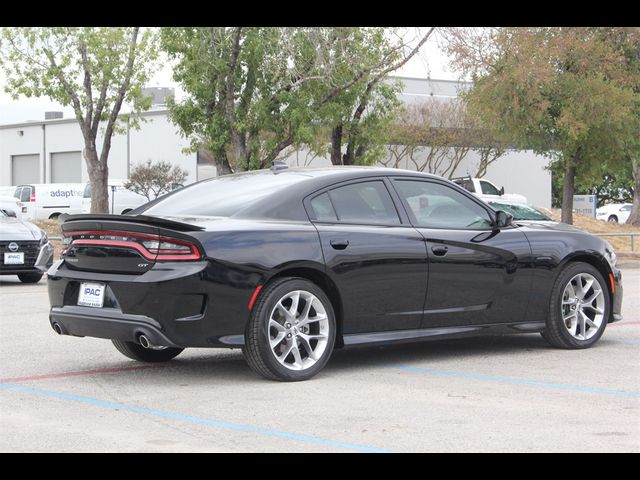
57,328
144,341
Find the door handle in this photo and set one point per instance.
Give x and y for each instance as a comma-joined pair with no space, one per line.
439,250
339,244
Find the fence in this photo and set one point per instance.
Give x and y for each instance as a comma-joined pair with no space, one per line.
631,235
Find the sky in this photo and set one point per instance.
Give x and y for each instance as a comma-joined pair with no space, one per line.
429,62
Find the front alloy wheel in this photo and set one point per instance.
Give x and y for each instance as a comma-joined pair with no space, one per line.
583,306
291,332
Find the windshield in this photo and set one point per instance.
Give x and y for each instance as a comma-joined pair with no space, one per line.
520,211
222,196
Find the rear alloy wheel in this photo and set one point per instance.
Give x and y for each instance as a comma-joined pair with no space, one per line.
137,352
291,332
30,277
579,309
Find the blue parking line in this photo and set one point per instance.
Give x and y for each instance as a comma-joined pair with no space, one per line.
149,412
515,381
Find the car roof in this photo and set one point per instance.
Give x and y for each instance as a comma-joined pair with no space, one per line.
284,205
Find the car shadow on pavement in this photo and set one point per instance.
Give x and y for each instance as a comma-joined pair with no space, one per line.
8,282
436,351
227,366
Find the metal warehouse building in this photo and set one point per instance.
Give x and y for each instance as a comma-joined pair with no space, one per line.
50,150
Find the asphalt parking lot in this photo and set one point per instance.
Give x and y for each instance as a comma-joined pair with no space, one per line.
486,394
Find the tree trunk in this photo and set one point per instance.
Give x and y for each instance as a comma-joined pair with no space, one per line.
568,191
98,176
222,164
336,145
634,217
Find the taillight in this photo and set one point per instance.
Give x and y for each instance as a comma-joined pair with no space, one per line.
152,247
170,249
32,198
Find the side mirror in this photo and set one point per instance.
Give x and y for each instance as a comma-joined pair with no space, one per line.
10,213
503,219
501,191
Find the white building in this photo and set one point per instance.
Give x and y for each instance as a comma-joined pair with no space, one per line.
50,150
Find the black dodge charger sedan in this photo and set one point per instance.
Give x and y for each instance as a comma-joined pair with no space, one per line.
289,264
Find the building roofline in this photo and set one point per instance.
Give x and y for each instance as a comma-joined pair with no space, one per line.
60,121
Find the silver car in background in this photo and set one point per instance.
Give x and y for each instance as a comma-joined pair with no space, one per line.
25,250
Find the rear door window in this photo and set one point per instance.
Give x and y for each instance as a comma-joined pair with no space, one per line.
367,203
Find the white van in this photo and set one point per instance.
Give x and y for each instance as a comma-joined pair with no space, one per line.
121,200
41,201
11,206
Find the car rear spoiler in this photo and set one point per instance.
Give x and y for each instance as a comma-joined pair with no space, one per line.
145,219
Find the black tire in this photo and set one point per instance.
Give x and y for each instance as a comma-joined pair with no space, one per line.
30,277
257,350
612,218
556,333
137,352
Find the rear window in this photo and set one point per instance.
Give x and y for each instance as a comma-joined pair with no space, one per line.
223,196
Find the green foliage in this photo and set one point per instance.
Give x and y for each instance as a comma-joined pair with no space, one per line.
95,70
59,63
611,185
565,92
254,91
153,179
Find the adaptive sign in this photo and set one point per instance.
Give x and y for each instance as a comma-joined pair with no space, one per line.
585,205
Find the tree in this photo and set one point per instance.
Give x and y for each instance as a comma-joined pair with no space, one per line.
565,92
253,92
370,106
153,179
611,184
437,135
95,70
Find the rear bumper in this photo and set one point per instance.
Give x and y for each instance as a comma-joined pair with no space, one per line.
108,323
174,304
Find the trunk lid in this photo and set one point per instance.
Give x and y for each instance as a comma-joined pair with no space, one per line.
126,244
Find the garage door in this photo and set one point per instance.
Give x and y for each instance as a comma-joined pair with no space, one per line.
25,169
66,167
